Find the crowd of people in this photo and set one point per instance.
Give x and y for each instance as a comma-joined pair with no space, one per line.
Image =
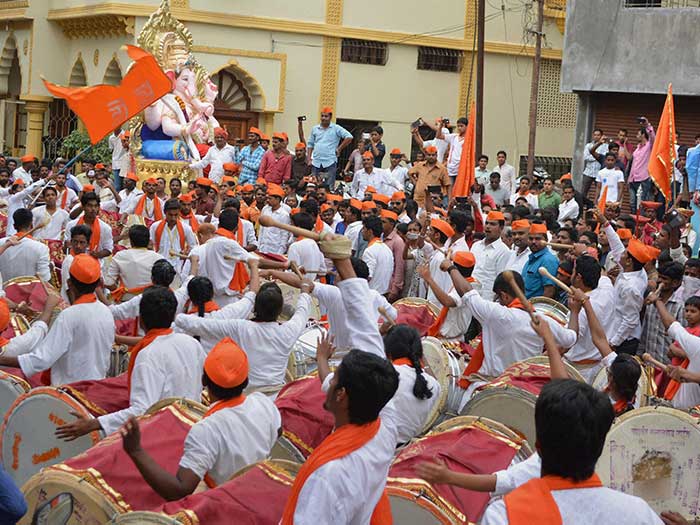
197,261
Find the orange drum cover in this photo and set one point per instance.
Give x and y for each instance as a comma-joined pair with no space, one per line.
30,290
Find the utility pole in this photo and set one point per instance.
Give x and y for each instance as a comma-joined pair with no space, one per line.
534,88
479,124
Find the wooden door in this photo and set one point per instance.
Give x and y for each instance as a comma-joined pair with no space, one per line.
237,123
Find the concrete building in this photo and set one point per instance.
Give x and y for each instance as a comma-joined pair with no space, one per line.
620,56
375,62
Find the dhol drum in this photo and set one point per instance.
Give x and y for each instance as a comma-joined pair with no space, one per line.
652,453
254,496
510,398
32,291
18,325
302,360
646,388
3,223
103,481
144,518
467,445
305,423
291,296
11,387
27,438
446,366
552,309
416,312
118,360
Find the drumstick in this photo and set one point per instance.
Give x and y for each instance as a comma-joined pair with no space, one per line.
269,222
35,228
560,246
545,273
656,364
295,269
508,276
385,315
173,253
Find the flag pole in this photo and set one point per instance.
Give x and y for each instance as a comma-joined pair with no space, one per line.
64,168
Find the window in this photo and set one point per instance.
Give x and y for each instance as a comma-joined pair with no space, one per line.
363,52
437,59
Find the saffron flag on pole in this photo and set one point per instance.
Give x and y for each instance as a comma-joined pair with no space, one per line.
663,153
601,204
102,108
467,162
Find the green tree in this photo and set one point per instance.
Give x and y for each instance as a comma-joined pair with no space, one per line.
78,140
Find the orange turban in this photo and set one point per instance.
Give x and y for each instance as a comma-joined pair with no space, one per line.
381,198
387,214
442,226
275,191
464,259
522,224
495,216
4,314
641,251
85,268
226,364
398,196
538,229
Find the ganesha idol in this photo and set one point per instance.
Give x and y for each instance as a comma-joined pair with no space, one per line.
180,125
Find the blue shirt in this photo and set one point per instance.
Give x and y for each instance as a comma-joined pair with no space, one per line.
12,504
250,159
324,142
692,166
534,282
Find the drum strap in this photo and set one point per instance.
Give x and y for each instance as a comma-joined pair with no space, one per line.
533,502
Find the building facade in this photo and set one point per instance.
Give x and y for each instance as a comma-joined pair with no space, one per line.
384,63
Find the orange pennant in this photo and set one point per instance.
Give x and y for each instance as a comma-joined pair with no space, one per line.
467,162
601,203
102,108
663,153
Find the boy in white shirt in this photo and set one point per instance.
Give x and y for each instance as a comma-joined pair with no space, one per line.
377,255
612,178
304,251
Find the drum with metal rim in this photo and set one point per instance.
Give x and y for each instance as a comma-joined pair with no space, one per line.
652,452
416,312
18,325
291,296
103,481
144,518
11,387
467,445
448,369
552,309
646,388
302,360
118,360
33,292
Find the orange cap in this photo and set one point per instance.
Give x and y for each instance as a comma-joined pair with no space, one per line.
369,205
641,251
228,178
430,149
99,166
367,155
204,181
538,229
275,190
334,197
261,181
300,145
85,268
495,216
4,314
442,226
327,109
27,158
464,259
325,207
398,196
125,134
566,176
521,224
294,211
381,198
226,364
230,166
388,214
357,204
151,180
132,176
265,137
88,187
255,131
220,132
624,233
395,151
278,135
248,188
370,189
186,198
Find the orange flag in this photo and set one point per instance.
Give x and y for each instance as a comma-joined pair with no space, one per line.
601,203
663,153
102,108
467,162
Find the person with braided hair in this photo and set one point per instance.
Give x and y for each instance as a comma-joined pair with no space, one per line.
418,392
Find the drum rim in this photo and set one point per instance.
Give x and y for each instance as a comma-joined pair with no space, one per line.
674,412
291,360
544,360
314,310
445,516
648,391
162,518
443,382
417,301
195,407
289,467
17,380
466,421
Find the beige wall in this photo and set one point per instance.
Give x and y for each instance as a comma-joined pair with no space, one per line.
308,10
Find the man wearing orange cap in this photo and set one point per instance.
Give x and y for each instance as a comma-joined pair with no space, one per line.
20,196
210,453
395,243
219,154
378,256
203,203
434,251
370,175
304,252
172,236
537,285
353,223
492,254
129,194
276,164
301,167
250,157
325,143
271,239
429,173
129,271
398,206
118,153
78,344
52,217
399,172
520,251
147,206
23,172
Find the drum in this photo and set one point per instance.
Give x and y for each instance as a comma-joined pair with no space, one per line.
446,366
652,453
33,292
510,398
416,312
18,325
305,423
551,308
11,387
255,496
302,360
467,445
27,439
3,223
144,518
103,481
56,251
118,360
646,387
291,296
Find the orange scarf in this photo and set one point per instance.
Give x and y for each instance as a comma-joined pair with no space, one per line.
318,227
620,406
209,306
434,330
95,236
143,343
118,294
194,223
64,199
376,239
533,502
157,207
673,385
403,361
340,443
180,233
240,278
478,358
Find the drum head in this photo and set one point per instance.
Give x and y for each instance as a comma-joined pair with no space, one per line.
600,382
54,496
437,365
302,360
193,408
11,387
544,360
28,441
552,309
32,291
511,406
285,450
652,453
291,296
408,508
142,517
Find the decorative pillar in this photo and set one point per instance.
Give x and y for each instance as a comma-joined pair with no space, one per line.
331,57
36,107
468,69
268,121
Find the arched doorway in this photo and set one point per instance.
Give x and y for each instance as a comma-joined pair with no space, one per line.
14,120
238,103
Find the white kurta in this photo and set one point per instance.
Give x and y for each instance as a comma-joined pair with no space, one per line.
232,438
511,478
688,394
274,240
380,261
306,253
352,232
267,345
218,263
170,241
130,308
24,343
29,257
129,200
171,366
458,319
412,413
131,267
491,259
517,260
215,158
382,180
77,347
20,200
106,241
567,210
71,199
442,279
629,299
531,199
57,222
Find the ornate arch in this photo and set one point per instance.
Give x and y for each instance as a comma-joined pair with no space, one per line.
113,73
238,89
78,75
8,56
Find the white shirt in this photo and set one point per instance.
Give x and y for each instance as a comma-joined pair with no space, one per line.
149,206
458,318
442,279
131,267
232,438
65,274
380,261
218,269
170,241
171,366
508,176
590,506
249,237
507,334
274,240
106,241
71,198
21,174
440,144
352,232
18,200
511,478
306,253
517,260
267,345
128,201
24,343
130,309
688,394
456,143
567,210
531,199
56,223
610,178
77,347
400,174
215,158
29,257
382,180
115,145
411,413
629,290
491,259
